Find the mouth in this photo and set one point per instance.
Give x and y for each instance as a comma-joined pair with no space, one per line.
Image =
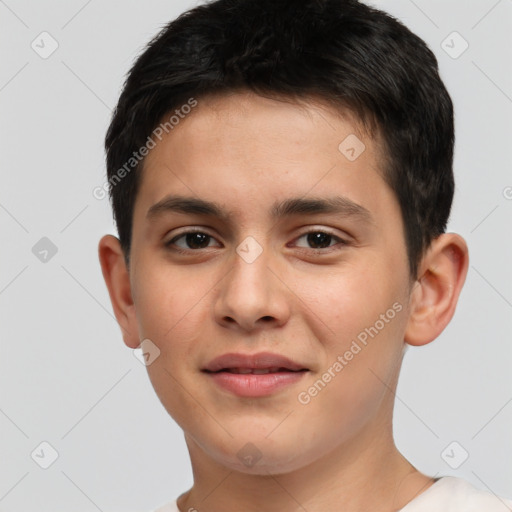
257,371
258,364
254,375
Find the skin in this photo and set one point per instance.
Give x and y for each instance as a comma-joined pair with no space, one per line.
336,452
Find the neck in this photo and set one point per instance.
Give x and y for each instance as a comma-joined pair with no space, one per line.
366,474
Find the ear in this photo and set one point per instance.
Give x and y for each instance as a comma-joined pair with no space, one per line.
434,295
117,279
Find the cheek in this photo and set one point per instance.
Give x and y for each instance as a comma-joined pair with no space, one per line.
170,312
343,303
359,317
168,308
362,364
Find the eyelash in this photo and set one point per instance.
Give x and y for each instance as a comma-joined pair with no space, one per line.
326,250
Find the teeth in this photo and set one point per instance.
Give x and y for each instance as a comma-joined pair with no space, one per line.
261,371
255,371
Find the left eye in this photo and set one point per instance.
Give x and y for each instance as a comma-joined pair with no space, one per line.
320,238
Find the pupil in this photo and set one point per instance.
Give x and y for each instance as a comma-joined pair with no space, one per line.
319,238
192,238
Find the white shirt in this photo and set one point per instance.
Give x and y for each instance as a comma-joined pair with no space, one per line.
448,494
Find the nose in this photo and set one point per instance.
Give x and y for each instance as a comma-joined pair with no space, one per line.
253,295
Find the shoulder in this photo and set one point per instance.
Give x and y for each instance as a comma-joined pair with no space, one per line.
168,507
448,494
452,494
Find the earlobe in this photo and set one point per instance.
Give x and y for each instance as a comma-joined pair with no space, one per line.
117,279
435,294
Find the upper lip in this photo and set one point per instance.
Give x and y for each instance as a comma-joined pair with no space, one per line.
251,361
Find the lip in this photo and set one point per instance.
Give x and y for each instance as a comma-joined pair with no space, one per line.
254,385
252,361
250,385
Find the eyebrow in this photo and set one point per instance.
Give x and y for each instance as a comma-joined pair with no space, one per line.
294,206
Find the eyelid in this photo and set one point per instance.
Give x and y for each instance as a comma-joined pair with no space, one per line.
341,234
188,230
321,229
341,240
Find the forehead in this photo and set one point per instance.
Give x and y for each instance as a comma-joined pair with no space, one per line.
260,147
294,118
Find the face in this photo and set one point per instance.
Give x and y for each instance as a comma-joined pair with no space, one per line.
304,258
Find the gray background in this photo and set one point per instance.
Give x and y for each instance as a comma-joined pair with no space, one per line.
65,375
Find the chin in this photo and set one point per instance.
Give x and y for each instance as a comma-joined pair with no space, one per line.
260,455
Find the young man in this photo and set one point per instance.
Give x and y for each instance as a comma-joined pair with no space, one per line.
281,178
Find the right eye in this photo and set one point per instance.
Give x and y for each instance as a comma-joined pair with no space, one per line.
193,241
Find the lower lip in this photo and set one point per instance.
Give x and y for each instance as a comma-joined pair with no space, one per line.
252,385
